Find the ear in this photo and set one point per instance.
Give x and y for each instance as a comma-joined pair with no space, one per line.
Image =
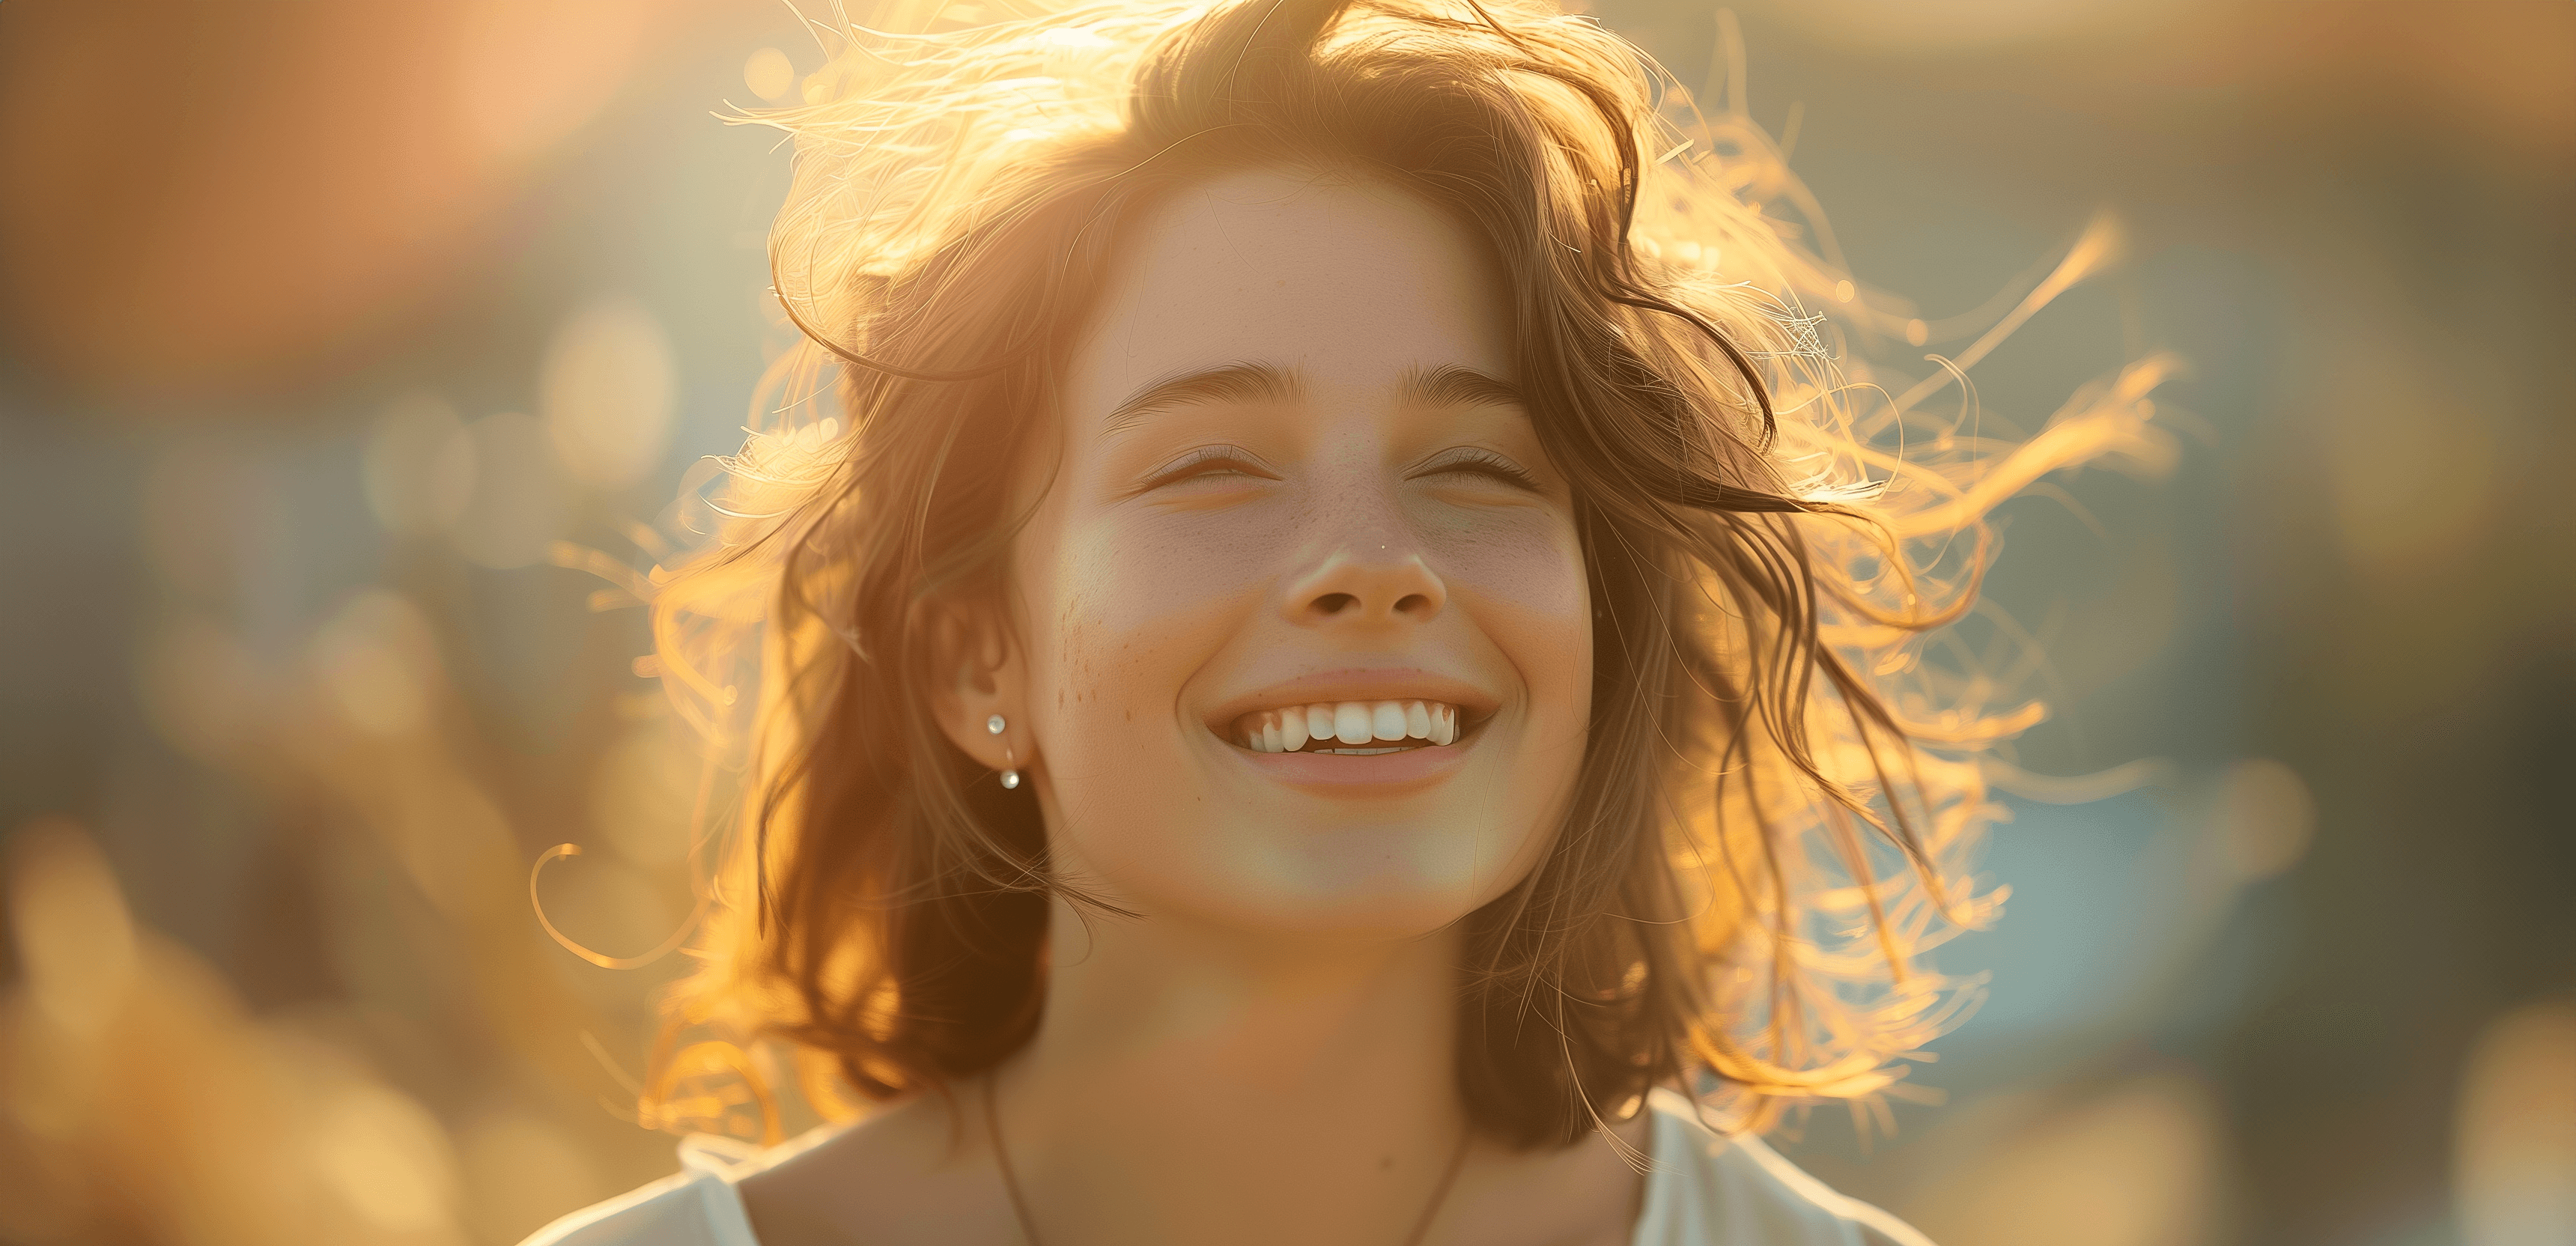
976,673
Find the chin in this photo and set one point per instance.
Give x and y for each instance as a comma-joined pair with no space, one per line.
1351,880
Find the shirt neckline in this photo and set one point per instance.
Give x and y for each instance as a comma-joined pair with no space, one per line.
718,1164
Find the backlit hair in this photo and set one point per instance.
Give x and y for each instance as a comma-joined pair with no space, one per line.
1779,795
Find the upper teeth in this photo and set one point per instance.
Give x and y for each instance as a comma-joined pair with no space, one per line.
1347,722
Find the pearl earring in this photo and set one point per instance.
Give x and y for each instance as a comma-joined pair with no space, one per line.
1010,764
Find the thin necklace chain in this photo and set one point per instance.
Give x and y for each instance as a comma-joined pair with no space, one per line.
1028,1229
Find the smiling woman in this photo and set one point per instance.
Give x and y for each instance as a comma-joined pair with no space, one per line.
1352,672
1312,532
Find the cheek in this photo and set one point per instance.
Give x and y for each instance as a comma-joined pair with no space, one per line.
1139,601
1520,575
1520,572
1524,554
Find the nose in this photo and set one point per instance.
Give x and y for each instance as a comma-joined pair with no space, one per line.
1367,582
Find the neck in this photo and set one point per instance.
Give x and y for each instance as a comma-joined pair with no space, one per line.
1195,1084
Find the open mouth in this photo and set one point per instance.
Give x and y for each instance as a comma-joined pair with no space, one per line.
1349,728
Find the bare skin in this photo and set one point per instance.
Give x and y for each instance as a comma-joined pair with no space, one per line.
1347,506
916,1175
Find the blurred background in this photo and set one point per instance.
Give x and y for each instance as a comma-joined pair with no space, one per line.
349,353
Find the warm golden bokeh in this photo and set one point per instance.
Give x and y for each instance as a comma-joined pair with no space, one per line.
2515,1153
350,355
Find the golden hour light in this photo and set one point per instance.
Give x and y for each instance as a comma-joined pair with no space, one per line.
769,74
1267,622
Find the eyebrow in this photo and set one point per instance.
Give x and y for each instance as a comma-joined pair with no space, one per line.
1449,385
1242,382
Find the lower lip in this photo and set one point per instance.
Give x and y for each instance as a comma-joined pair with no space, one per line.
1346,774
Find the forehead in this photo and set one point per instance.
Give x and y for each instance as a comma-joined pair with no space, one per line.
1347,283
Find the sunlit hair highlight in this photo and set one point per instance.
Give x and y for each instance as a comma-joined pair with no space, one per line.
1781,796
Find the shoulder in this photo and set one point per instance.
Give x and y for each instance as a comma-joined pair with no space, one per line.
1709,1188
866,1175
701,1205
906,1174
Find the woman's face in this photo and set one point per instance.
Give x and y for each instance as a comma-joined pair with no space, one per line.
1306,635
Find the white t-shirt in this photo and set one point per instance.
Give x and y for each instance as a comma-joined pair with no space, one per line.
1705,1189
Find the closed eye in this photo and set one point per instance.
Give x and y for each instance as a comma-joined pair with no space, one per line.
1478,461
1208,462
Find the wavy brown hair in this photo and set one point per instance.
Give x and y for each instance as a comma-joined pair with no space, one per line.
1778,795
